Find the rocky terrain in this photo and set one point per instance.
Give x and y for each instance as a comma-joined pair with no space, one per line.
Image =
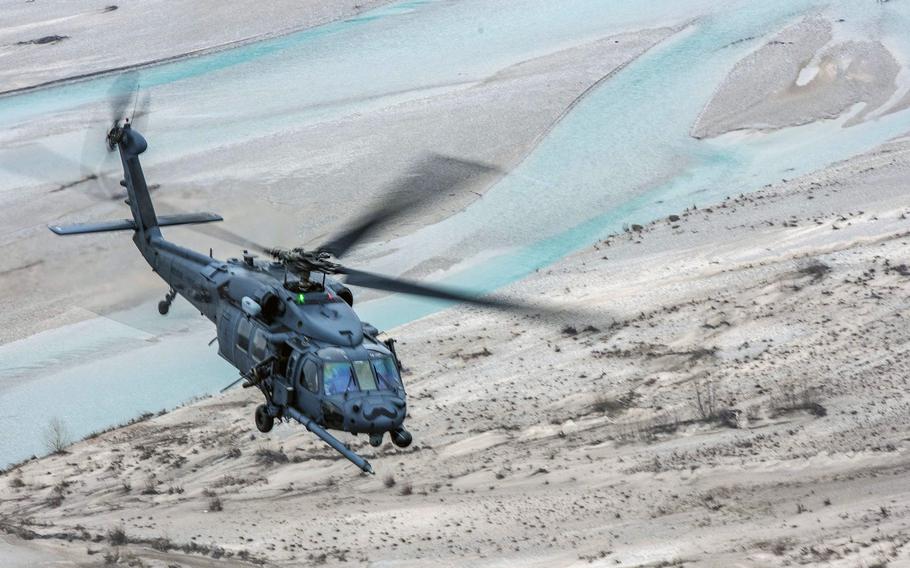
738,397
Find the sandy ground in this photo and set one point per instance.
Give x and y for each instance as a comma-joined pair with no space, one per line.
738,396
46,41
583,444
335,167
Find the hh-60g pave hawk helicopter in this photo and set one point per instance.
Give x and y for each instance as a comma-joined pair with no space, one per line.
286,324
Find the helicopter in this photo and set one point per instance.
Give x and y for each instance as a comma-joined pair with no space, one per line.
287,322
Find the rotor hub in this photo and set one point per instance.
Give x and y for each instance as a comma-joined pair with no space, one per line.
301,261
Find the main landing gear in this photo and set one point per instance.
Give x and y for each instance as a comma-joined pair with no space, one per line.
264,420
165,305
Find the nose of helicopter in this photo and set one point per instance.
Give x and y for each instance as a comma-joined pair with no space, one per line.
375,413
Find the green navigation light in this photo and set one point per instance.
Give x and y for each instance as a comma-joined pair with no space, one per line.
300,298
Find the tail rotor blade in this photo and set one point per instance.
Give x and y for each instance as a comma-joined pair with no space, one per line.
121,95
142,111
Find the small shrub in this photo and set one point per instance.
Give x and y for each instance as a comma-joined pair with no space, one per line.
407,489
117,536
215,505
54,501
56,436
16,483
706,399
792,396
151,487
389,481
267,457
816,269
612,406
161,544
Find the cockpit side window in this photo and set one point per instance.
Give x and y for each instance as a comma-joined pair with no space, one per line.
311,376
338,378
365,375
243,334
386,373
259,346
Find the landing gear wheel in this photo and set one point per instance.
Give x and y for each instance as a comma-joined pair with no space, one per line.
264,421
165,305
401,438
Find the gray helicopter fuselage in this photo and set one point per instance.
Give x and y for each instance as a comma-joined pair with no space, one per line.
303,331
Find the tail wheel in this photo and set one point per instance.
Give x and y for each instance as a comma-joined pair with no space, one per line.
264,420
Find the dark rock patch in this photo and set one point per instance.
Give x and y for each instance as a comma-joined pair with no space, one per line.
44,40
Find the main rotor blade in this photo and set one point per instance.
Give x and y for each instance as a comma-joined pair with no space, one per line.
434,177
392,284
229,237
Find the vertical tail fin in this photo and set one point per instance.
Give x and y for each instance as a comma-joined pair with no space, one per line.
131,144
145,222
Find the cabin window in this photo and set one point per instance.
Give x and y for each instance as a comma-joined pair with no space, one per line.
243,334
338,378
386,373
311,376
259,346
365,375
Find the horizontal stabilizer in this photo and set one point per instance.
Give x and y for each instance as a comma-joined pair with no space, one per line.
98,227
129,224
188,219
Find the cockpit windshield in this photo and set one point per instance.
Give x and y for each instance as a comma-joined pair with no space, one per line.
338,378
365,375
386,373
379,373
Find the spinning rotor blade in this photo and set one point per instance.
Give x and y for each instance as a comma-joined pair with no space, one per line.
35,161
97,156
122,96
141,111
391,284
229,237
434,177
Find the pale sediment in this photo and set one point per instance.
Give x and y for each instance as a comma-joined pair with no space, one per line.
745,402
801,75
48,42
